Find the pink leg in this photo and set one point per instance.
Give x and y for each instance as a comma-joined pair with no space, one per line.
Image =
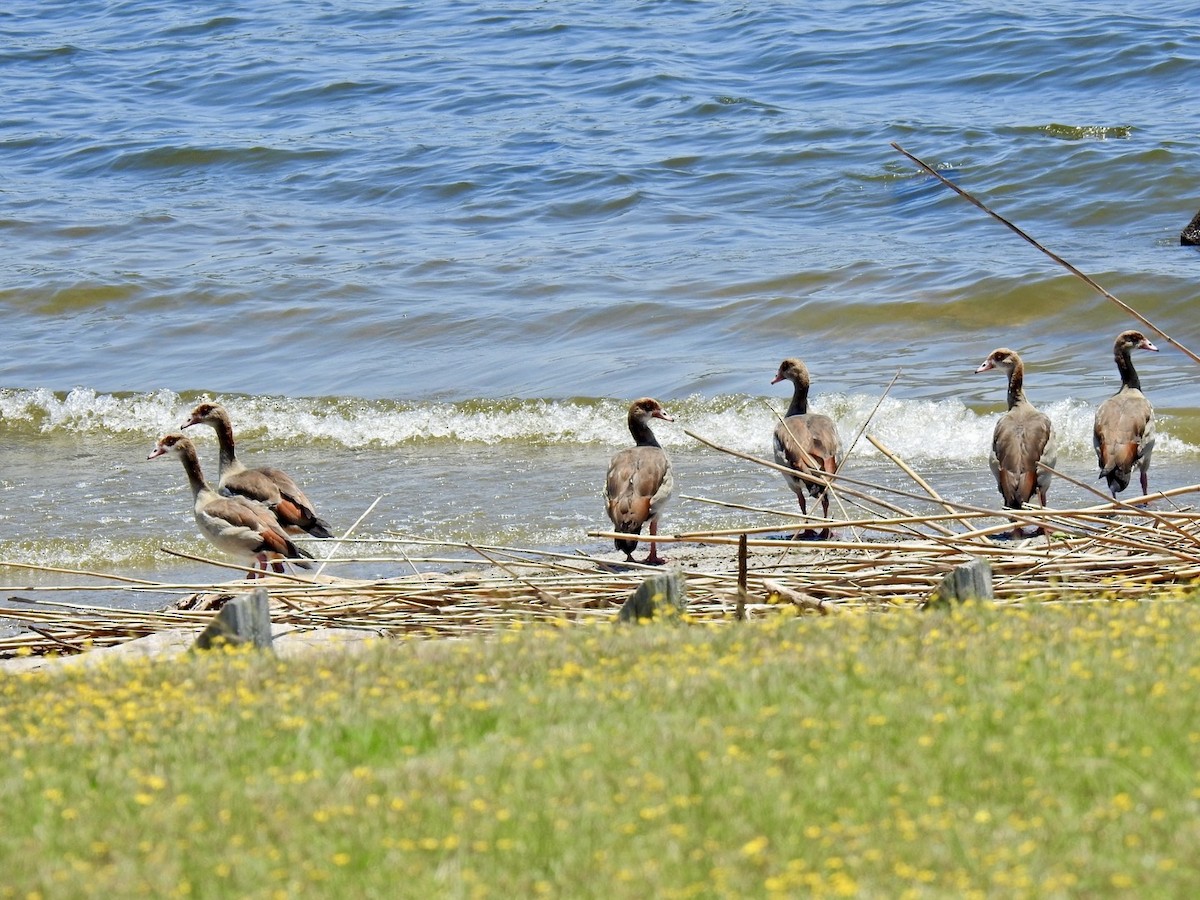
653,559
260,561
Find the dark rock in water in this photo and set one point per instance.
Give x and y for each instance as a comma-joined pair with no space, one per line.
664,593
1190,236
970,581
243,620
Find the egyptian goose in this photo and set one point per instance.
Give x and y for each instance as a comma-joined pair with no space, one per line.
1022,439
1124,431
265,484
639,482
236,525
806,442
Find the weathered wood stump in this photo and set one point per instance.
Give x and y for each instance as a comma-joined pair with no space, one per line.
1190,236
663,593
243,620
970,581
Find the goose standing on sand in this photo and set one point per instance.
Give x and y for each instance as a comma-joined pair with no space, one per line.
1023,437
236,525
807,442
1123,434
265,484
639,482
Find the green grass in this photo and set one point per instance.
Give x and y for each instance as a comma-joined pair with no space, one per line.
1046,752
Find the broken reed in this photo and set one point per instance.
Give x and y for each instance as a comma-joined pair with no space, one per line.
1104,549
884,556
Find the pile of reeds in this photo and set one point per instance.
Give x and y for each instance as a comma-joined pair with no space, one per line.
515,585
882,555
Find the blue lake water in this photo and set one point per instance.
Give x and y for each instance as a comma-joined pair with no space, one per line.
429,252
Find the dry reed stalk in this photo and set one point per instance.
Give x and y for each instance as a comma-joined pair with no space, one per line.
907,470
1105,527
825,479
1091,282
543,593
513,551
349,531
86,589
248,569
865,524
896,524
936,546
58,570
776,544
844,480
871,415
1115,539
1170,493
1124,505
133,585
88,609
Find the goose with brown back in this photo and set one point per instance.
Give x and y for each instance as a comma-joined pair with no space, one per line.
265,484
807,442
240,527
1022,439
1123,434
639,481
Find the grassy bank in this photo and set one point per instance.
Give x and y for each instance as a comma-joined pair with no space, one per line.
1052,751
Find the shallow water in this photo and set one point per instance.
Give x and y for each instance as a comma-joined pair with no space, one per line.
79,493
428,253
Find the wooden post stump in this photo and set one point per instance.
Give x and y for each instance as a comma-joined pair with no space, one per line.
664,593
243,620
739,612
970,581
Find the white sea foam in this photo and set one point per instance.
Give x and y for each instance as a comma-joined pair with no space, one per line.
84,410
916,430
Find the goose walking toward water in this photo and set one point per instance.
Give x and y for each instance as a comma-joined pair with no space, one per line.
1023,437
236,525
265,484
1123,434
807,442
639,482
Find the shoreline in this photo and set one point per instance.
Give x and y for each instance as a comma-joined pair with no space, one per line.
1109,551
292,639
